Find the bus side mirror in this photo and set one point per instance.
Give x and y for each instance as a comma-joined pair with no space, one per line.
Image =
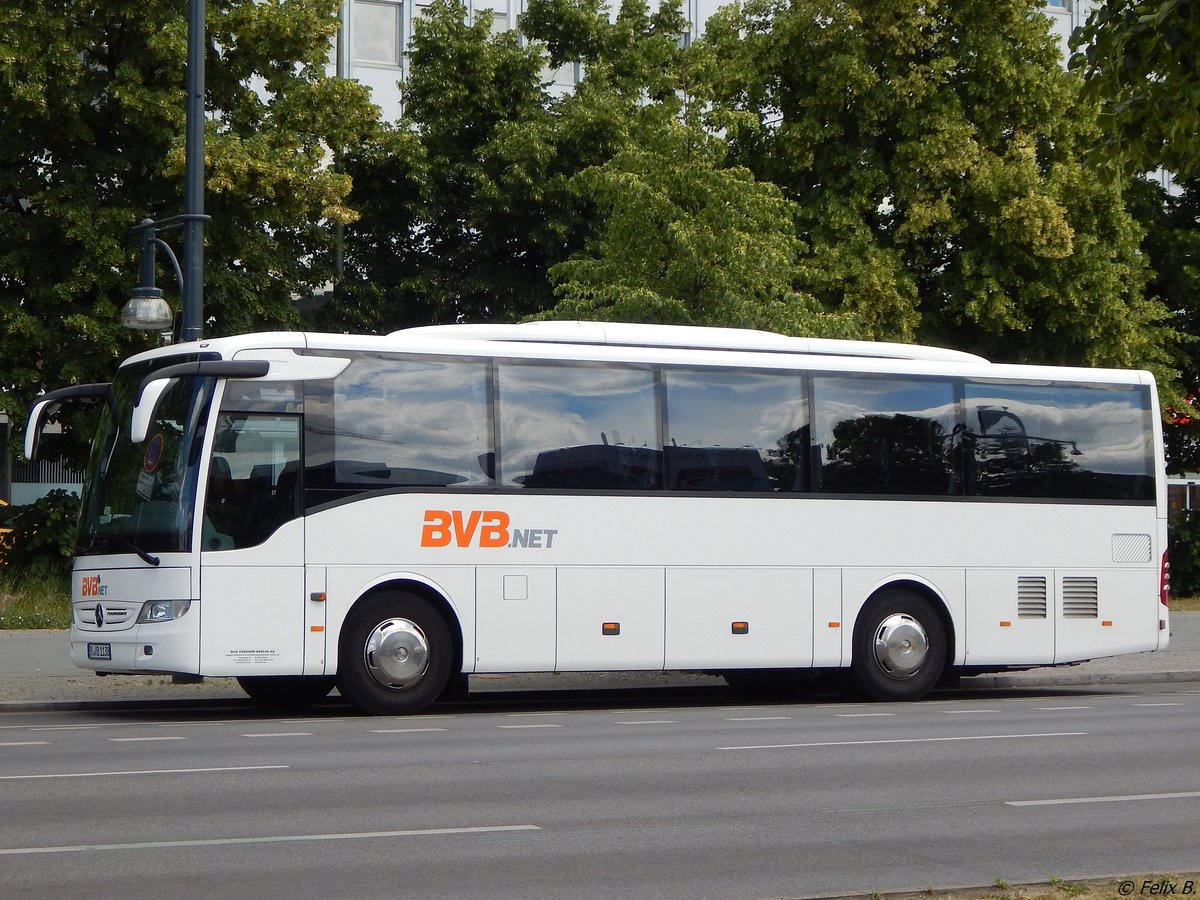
49,404
38,415
147,406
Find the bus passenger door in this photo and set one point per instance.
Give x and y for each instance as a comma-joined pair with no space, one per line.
253,602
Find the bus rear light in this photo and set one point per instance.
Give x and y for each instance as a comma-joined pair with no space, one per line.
1165,585
740,628
1006,623
611,628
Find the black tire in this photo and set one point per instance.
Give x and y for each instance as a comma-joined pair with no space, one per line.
287,691
899,647
395,655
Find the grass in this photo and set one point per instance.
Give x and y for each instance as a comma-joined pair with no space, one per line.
1186,604
34,601
1137,886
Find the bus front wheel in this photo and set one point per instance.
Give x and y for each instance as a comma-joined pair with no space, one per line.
899,647
395,655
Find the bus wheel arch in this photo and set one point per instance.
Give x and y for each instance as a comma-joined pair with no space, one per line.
903,642
400,646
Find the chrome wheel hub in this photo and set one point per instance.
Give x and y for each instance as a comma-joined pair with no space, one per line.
901,645
397,653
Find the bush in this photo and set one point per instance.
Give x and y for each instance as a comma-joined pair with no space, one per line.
42,538
1184,549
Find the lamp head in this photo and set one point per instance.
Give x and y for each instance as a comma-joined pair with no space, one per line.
146,310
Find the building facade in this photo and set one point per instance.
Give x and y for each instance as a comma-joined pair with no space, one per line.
376,34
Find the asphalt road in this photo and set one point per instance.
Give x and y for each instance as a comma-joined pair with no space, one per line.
534,800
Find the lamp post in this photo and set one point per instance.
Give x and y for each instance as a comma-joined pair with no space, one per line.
192,327
146,308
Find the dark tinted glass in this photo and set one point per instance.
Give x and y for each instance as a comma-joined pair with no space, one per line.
578,427
253,477
391,421
884,436
735,431
1059,441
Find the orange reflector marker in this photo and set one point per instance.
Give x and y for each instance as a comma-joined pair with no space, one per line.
1107,623
835,624
741,628
317,628
611,628
1004,623
317,596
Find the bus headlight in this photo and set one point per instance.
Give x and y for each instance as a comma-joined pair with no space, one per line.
162,610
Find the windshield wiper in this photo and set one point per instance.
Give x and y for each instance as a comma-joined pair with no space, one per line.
99,539
146,557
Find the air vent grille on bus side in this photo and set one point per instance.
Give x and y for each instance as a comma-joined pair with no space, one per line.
1080,597
1031,597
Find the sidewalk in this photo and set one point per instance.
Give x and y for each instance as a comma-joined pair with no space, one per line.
36,673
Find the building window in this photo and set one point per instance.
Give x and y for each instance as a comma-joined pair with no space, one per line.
377,33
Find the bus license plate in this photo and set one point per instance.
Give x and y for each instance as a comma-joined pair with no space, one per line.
99,651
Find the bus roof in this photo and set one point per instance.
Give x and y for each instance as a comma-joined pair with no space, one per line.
683,337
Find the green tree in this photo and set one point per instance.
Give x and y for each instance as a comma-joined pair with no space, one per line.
1172,244
934,152
679,236
464,201
91,141
1139,59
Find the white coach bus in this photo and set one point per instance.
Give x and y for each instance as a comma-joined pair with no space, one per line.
389,514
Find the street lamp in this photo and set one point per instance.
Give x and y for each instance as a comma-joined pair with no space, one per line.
146,309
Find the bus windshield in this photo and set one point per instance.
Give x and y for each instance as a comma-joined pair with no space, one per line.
141,497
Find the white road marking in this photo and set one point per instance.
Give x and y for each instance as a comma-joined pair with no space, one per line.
1068,800
24,744
756,718
863,715
165,737
531,715
274,734
648,722
61,727
268,839
546,725
403,730
1158,704
965,712
977,737
1057,708
141,772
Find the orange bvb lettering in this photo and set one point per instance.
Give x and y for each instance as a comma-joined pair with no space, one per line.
487,528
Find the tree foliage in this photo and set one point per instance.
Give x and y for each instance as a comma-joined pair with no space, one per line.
1172,244
463,203
91,141
1139,58
934,151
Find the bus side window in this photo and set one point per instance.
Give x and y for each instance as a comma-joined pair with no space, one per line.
253,480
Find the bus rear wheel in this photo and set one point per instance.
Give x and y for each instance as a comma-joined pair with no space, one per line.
286,691
899,647
395,655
